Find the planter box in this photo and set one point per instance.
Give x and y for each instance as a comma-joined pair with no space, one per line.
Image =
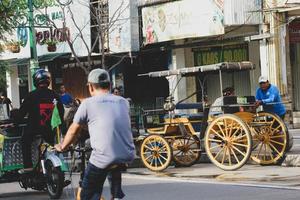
51,48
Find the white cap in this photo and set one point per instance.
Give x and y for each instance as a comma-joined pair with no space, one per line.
262,79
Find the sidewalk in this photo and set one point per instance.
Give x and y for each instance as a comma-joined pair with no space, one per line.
248,175
293,157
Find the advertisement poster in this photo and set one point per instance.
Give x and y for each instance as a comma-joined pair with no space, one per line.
182,19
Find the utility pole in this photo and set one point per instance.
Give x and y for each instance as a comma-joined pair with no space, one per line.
33,53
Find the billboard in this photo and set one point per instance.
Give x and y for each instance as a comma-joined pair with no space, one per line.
123,22
182,19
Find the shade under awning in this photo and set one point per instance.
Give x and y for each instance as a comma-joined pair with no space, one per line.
42,59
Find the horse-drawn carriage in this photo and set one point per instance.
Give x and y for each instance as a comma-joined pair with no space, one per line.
229,139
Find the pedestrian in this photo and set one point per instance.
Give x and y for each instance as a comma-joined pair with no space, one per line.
38,105
6,106
116,91
268,96
65,97
107,117
217,106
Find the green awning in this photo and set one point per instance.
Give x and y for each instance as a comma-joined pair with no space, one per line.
42,59
50,57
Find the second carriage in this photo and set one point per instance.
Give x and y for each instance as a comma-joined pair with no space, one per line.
229,139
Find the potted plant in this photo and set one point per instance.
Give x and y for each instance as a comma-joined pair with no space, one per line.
14,46
51,45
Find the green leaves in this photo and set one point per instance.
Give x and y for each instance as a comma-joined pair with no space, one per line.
13,12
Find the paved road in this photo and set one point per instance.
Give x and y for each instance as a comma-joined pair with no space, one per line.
140,187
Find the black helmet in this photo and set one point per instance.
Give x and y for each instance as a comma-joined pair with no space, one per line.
41,76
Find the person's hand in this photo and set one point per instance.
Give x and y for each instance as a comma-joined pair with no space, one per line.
58,148
258,103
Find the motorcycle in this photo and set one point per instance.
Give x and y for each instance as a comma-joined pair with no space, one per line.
48,173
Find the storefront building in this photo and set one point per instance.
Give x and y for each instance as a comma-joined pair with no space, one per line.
217,31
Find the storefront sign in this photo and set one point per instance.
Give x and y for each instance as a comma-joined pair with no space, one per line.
182,19
58,34
233,53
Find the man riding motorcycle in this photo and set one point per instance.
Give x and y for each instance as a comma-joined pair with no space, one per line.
39,105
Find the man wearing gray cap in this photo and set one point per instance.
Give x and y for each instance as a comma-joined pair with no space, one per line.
269,94
107,117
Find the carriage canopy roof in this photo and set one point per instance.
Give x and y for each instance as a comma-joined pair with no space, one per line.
224,66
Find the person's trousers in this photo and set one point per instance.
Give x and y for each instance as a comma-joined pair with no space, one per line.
27,139
93,180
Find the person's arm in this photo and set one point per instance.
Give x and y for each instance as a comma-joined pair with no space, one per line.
24,109
258,98
273,93
80,118
69,138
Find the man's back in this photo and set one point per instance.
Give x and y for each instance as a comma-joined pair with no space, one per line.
39,106
108,120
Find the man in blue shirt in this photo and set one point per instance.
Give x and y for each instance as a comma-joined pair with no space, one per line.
65,97
268,96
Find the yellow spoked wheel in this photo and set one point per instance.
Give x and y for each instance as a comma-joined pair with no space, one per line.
156,153
186,150
228,142
270,139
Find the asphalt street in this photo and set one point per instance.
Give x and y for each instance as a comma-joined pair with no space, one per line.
141,187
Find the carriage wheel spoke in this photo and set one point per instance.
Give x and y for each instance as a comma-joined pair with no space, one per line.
238,144
224,155
214,140
273,147
276,128
160,162
150,142
161,156
239,137
192,144
236,158
239,151
270,151
219,153
273,141
231,127
259,149
229,156
147,158
217,133
225,127
265,151
148,148
236,131
220,128
219,145
277,136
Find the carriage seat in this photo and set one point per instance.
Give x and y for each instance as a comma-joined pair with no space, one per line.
230,101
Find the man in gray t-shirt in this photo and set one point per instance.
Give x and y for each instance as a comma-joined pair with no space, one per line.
108,120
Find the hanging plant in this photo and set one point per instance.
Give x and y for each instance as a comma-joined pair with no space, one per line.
51,45
13,46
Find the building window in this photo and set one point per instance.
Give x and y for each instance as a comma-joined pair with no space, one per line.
99,25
